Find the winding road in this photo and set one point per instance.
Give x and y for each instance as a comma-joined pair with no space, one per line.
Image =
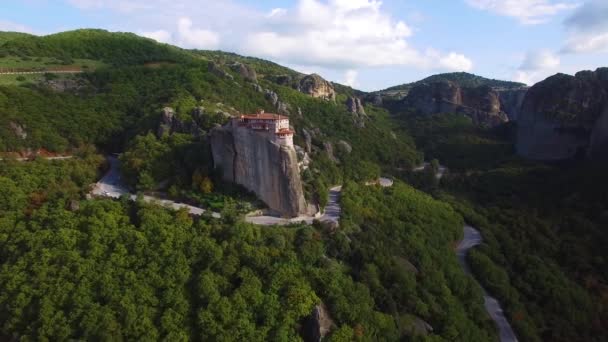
472,238
331,214
111,186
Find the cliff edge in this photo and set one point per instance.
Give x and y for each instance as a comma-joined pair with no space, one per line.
485,105
565,117
253,160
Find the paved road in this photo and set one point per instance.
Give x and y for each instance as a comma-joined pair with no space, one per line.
472,238
111,186
332,213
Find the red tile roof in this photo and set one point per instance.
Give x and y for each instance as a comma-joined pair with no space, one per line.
264,116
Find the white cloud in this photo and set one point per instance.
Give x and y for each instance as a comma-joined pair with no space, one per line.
190,37
542,59
335,35
456,62
588,28
527,12
344,34
161,36
587,43
536,66
11,26
350,78
185,36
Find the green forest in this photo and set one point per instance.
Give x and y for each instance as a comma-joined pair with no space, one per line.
79,268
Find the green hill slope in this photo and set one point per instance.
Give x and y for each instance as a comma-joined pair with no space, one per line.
111,47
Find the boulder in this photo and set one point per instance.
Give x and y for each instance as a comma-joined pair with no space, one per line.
345,146
315,86
562,117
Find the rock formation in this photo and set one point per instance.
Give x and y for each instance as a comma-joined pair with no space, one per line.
564,117
482,104
245,71
511,100
318,325
315,86
170,123
218,71
18,130
270,170
354,106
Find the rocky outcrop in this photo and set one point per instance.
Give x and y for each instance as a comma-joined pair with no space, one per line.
565,117
315,86
511,100
18,130
271,171
482,104
218,71
318,325
170,123
245,71
355,107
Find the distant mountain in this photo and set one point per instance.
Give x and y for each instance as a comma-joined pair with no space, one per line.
462,79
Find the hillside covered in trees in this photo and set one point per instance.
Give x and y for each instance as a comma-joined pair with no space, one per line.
96,269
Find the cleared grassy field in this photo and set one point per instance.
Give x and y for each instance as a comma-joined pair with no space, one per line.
46,62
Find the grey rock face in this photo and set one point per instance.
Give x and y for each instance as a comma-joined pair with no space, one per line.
307,139
18,130
345,146
271,171
562,117
511,101
246,71
482,104
329,149
170,124
218,71
354,105
318,325
315,86
599,138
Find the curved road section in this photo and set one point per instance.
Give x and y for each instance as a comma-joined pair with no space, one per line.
111,186
472,238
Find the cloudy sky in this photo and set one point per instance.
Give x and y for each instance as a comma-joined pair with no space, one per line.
368,44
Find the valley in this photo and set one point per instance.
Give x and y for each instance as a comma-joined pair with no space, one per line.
249,200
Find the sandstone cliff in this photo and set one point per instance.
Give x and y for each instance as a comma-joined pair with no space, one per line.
561,117
315,86
482,104
270,171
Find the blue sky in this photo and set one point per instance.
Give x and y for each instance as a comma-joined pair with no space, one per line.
369,44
